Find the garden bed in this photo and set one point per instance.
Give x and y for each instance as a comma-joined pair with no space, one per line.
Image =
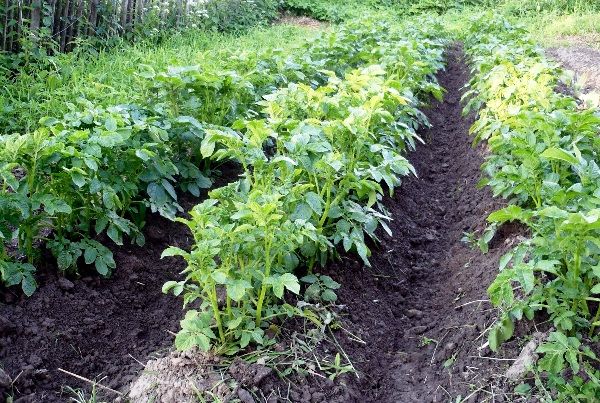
420,309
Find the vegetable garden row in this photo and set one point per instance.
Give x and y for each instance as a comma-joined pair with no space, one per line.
319,133
314,171
543,158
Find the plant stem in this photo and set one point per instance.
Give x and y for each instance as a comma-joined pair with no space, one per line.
216,312
263,289
596,317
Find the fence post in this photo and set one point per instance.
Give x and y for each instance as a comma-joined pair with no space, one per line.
36,11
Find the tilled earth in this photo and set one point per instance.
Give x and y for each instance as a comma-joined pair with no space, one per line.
95,328
420,312
583,60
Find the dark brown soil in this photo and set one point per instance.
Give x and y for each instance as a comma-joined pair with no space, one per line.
92,327
102,329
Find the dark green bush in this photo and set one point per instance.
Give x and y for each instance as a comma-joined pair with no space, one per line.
237,15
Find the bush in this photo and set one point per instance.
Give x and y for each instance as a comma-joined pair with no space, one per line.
237,15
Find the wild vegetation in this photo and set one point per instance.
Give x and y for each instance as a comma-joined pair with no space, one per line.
113,111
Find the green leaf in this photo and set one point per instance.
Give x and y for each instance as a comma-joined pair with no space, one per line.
186,340
91,163
363,251
114,234
176,287
560,154
110,124
504,260
174,251
101,267
329,296
523,389
28,285
207,148
234,323
156,193
330,283
303,212
245,339
169,188
493,339
101,224
553,212
290,282
219,277
236,290
310,278
509,213
315,202
64,260
54,205
90,255
525,276
144,155
277,285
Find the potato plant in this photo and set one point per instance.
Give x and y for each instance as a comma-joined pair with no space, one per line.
316,161
543,158
102,169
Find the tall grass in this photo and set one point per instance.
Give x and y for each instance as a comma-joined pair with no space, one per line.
525,8
550,22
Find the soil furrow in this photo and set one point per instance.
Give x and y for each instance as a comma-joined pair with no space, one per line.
418,343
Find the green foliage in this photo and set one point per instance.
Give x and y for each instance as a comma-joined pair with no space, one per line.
316,160
30,49
99,170
320,288
238,15
114,76
319,9
543,158
524,8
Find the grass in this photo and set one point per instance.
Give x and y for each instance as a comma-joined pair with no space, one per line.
551,29
109,77
547,27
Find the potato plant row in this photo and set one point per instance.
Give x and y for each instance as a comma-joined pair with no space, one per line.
99,170
316,163
543,157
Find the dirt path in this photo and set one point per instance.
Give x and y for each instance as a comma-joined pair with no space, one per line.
583,60
420,344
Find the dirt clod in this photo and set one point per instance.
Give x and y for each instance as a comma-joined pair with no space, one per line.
65,284
5,380
525,360
414,313
245,396
177,378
